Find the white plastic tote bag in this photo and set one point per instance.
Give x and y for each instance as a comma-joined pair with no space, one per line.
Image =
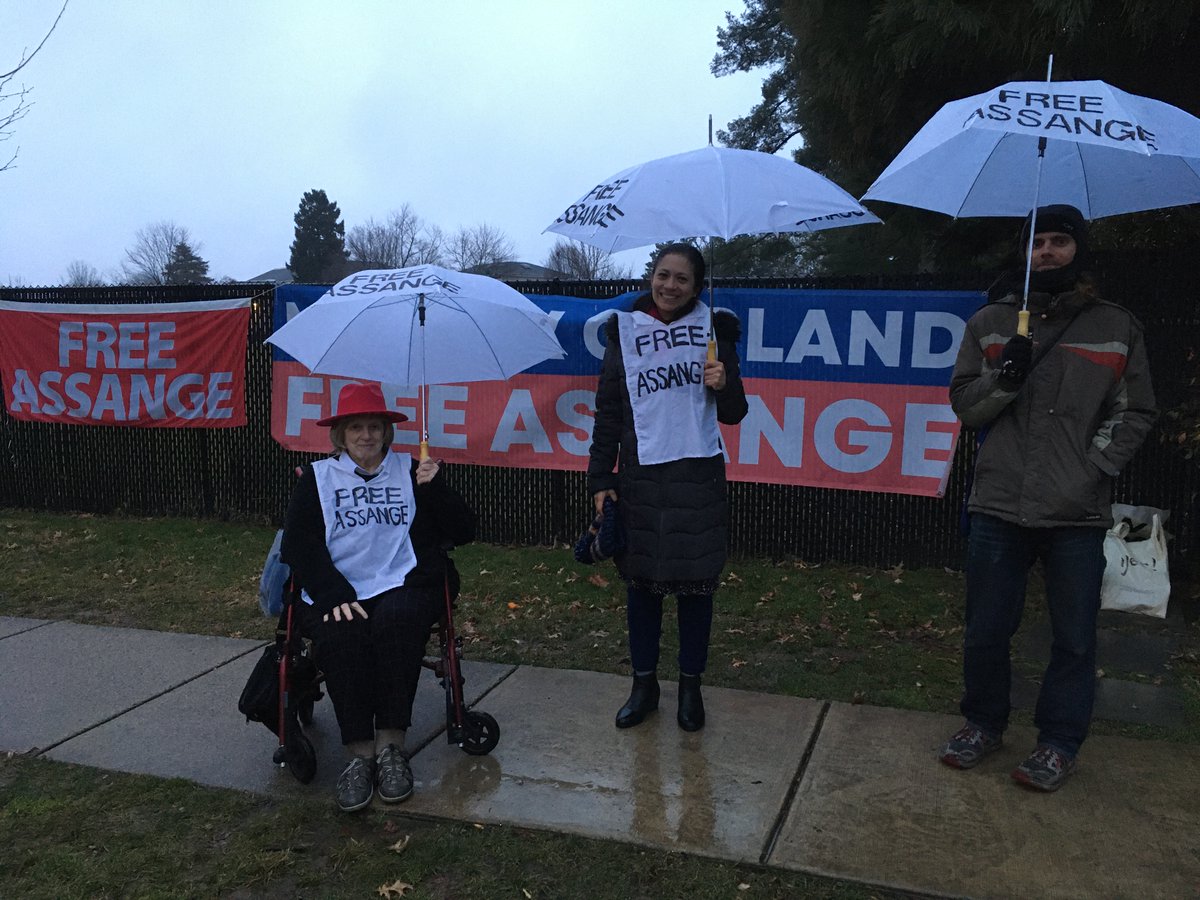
1135,572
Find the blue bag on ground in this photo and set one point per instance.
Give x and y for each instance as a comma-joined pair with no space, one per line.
274,579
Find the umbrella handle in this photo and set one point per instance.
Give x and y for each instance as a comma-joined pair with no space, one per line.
1023,323
425,444
712,350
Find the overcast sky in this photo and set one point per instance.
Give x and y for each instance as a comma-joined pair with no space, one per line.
220,115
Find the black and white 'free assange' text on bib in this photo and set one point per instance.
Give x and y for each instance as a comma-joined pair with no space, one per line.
674,414
367,522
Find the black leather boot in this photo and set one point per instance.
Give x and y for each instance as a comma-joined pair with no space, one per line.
691,704
643,700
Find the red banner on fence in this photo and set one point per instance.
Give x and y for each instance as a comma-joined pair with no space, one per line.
165,365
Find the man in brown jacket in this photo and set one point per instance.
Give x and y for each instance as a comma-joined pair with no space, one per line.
1061,412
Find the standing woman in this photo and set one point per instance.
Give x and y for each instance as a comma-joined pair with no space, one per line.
366,535
657,409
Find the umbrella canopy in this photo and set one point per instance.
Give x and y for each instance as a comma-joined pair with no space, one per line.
417,326
1106,152
711,192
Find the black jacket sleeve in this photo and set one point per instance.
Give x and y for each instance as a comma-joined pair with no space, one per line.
443,521
610,415
731,400
304,548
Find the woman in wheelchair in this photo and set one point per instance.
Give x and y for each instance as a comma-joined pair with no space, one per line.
366,536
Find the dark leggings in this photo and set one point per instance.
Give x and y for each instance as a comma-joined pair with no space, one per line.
372,665
644,611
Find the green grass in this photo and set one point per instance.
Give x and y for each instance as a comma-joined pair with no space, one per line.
835,632
71,831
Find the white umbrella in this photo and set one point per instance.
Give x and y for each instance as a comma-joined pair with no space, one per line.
1027,144
419,326
711,192
1106,152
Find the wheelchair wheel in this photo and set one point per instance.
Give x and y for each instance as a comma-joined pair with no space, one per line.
481,733
300,757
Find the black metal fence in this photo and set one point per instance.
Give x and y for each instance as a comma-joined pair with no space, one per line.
241,473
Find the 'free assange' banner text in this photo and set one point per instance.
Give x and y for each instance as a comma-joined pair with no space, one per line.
847,389
162,365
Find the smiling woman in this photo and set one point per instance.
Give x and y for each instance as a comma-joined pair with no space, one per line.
366,535
658,425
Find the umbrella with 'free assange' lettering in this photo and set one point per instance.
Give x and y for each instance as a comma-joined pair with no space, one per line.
419,326
1028,144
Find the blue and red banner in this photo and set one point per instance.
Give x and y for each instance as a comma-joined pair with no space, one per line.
847,389
161,365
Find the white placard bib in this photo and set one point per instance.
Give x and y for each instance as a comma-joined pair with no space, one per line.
674,414
367,522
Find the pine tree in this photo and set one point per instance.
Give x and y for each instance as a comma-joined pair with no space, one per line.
185,266
319,249
857,78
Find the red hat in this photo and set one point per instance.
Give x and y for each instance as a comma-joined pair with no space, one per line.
356,399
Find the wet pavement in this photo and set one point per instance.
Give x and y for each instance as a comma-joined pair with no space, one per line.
851,792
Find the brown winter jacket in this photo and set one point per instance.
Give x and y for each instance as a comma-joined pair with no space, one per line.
1054,445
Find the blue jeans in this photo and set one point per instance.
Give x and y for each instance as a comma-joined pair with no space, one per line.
644,612
999,556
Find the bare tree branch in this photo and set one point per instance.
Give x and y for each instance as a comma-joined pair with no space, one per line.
19,97
404,240
152,251
583,261
25,59
82,274
479,245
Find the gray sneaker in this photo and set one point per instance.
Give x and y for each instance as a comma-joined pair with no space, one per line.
356,784
393,775
968,746
1045,770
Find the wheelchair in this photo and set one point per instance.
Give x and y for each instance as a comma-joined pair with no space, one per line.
299,680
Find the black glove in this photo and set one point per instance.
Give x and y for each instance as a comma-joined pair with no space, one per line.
1015,362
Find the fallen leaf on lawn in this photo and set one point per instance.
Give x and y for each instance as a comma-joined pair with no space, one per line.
743,886
478,825
397,888
738,663
512,605
526,893
599,580
485,572
401,845
856,596
735,631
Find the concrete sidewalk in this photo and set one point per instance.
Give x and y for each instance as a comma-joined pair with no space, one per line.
852,792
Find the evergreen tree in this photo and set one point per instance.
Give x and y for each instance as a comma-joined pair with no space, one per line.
856,79
319,250
185,266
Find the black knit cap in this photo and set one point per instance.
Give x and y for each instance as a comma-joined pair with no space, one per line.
1061,218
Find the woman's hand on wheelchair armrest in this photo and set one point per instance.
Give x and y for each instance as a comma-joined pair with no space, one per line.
345,612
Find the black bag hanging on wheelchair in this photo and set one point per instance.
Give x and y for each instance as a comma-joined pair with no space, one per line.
259,701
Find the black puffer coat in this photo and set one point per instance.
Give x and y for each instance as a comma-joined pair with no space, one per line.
675,514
